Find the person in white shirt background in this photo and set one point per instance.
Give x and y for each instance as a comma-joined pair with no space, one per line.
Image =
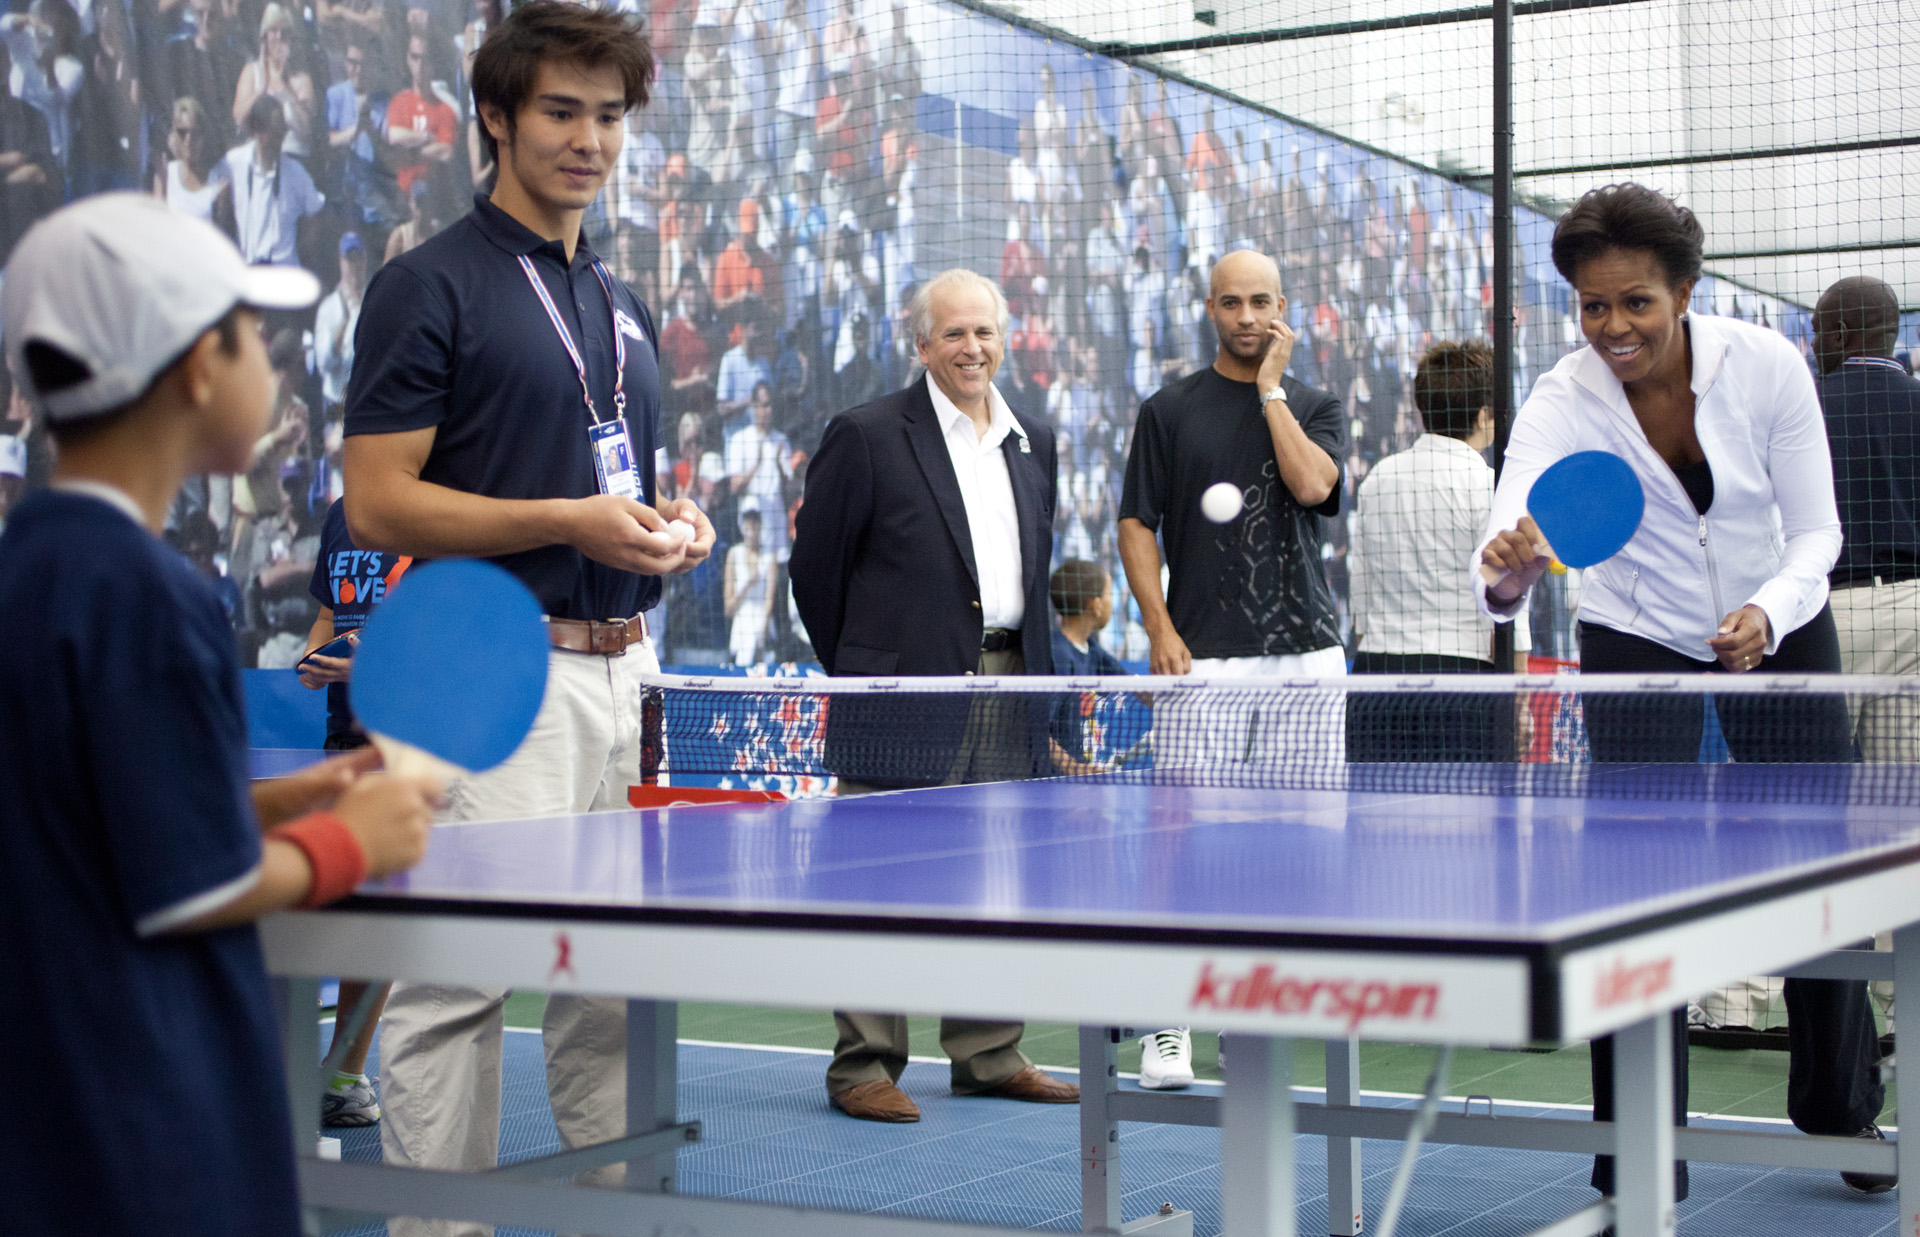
1722,424
272,191
333,326
1417,515
759,465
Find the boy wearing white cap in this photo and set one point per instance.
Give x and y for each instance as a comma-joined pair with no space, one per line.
132,864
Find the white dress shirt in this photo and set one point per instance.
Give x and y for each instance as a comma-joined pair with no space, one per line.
987,490
1418,515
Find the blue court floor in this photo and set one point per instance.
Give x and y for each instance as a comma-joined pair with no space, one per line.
769,1135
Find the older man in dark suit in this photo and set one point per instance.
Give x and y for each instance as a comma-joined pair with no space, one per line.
922,548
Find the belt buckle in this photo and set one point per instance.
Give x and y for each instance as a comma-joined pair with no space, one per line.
607,639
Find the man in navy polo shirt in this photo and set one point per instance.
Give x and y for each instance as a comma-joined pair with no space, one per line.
505,404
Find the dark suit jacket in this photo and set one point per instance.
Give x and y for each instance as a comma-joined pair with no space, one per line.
883,573
1873,426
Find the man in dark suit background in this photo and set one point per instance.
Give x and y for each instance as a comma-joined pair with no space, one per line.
1872,408
922,548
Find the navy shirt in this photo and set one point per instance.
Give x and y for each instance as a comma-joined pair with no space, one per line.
149,1064
1873,426
1071,709
350,582
453,336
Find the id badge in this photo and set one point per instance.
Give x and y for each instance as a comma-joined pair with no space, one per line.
613,459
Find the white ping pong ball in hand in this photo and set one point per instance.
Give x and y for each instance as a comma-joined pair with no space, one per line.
682,530
1221,502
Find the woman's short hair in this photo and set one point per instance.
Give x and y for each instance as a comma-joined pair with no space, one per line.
920,308
1454,382
555,30
1630,217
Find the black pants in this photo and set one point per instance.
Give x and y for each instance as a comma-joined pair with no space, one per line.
1833,1082
1666,728
1427,726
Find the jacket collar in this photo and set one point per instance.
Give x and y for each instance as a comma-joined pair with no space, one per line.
1710,342
1000,423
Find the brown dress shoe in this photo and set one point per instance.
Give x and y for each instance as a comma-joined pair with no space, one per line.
878,1100
1035,1086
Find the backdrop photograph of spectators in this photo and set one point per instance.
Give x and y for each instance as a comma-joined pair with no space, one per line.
803,165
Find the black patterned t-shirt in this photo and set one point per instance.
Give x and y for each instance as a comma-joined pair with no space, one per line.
1253,586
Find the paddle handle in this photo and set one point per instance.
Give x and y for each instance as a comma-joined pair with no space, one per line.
406,760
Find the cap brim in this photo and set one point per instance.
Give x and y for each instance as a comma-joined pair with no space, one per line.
279,287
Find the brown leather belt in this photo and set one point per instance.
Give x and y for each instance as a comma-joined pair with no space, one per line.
609,638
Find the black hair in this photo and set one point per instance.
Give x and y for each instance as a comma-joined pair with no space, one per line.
1074,584
1454,382
1631,217
555,30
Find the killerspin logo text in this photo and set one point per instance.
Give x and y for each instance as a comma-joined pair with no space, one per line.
1265,989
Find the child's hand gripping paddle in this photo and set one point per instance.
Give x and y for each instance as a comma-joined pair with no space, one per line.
1587,506
451,669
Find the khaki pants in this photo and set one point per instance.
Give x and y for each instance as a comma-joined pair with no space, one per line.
1879,627
440,1044
984,1054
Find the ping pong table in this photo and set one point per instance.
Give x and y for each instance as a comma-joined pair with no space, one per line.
1129,900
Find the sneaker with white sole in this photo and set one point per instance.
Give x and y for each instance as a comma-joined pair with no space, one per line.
1166,1060
350,1106
1870,1183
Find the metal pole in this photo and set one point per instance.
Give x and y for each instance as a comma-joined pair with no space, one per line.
1502,324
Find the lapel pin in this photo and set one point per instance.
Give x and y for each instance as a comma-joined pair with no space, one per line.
1025,447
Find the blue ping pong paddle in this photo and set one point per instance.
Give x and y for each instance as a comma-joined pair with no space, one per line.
1588,505
451,668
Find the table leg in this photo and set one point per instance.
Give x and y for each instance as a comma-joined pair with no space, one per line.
653,1080
1344,1212
1256,1138
1906,1082
299,1004
1643,1128
1099,1132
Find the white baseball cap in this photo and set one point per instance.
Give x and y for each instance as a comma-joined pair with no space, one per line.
121,285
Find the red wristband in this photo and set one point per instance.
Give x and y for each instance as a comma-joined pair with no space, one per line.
339,865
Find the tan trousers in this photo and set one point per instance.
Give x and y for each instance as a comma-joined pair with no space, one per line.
440,1044
1879,627
984,1054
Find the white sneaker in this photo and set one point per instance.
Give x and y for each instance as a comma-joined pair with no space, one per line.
1166,1060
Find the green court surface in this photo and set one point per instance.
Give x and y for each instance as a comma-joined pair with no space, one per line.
1749,1083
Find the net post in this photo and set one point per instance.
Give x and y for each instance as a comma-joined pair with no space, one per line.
1502,324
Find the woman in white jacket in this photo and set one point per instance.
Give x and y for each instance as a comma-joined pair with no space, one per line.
1726,574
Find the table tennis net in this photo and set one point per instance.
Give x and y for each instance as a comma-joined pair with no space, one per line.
1814,739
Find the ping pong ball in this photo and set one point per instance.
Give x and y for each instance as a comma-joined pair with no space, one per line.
1221,502
681,529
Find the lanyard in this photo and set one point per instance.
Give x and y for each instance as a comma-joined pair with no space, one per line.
573,352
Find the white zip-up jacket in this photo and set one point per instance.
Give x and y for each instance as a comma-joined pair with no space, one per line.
1769,538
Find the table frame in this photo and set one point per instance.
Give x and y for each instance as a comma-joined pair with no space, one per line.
647,960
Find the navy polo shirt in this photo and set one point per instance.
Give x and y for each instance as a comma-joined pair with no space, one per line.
148,1065
452,335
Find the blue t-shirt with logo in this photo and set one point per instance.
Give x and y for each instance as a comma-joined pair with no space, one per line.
145,1066
1069,721
350,582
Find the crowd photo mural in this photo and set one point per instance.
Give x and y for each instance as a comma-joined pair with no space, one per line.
803,164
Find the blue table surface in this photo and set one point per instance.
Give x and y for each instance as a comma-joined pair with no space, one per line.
1122,853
